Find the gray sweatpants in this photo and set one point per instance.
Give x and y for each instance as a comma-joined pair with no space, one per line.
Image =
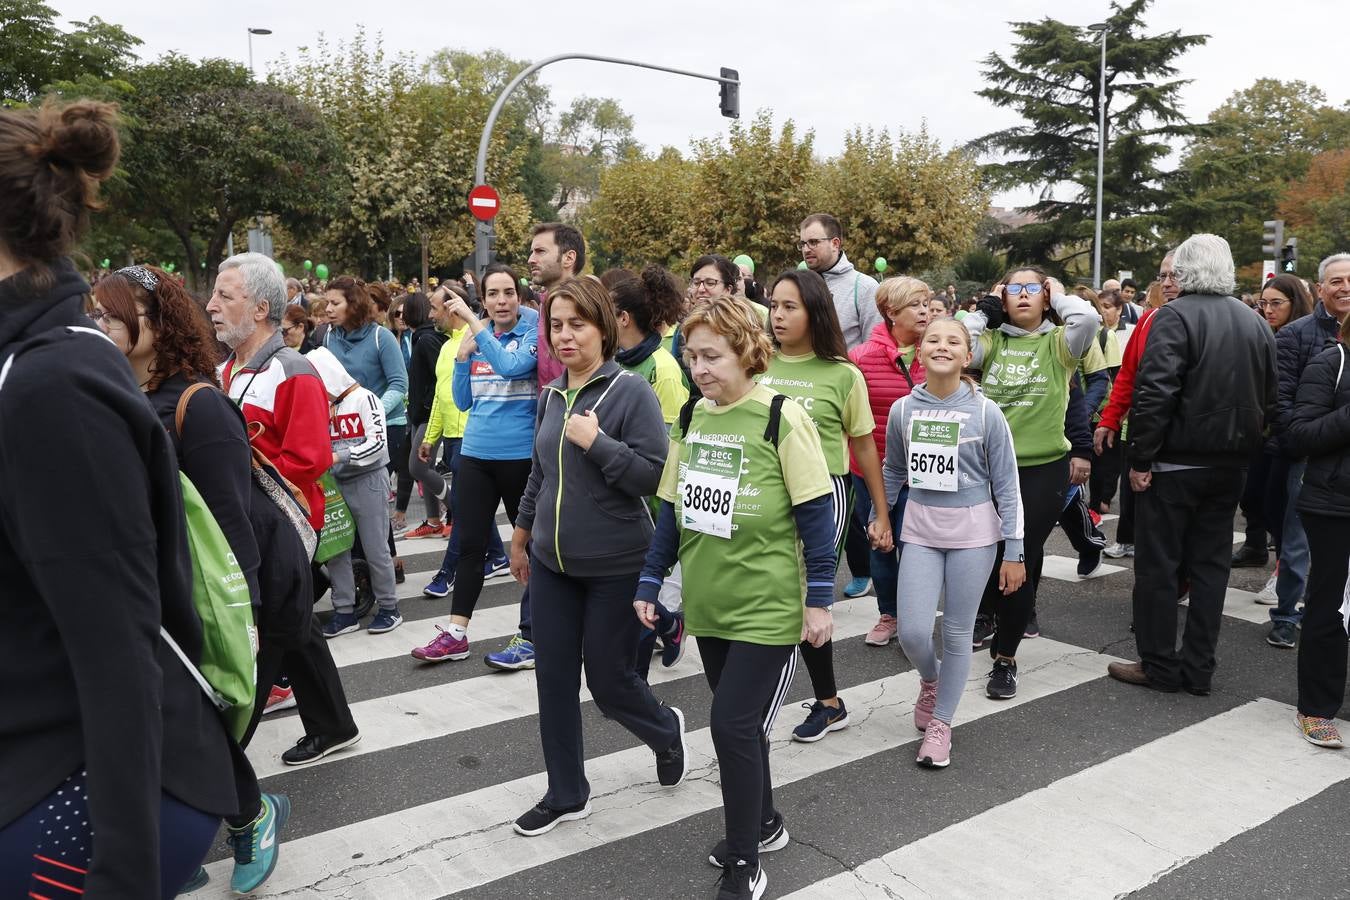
924,573
367,497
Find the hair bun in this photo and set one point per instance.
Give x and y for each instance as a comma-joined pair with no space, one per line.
81,136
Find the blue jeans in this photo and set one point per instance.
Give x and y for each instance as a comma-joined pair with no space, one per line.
1293,580
885,566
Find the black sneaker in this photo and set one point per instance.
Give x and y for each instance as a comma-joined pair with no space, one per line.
673,764
314,747
365,594
773,835
742,882
1089,562
1283,635
1249,557
1002,680
1033,629
543,819
984,632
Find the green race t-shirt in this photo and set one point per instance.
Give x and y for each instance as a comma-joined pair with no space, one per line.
751,586
834,395
1028,377
666,379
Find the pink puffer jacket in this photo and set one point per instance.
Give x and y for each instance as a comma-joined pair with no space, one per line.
887,380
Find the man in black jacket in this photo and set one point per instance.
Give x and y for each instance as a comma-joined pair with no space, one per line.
1206,387
1296,345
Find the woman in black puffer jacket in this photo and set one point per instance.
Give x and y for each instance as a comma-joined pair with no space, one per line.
1320,429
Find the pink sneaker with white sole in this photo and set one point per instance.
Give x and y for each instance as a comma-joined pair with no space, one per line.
936,750
923,707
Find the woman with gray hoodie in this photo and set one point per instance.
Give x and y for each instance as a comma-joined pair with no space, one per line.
953,447
580,540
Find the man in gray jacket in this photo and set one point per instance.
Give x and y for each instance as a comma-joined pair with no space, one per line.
822,246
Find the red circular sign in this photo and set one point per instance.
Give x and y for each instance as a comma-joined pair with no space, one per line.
484,203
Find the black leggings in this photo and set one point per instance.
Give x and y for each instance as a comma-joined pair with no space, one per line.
1043,490
483,483
1322,646
1105,478
745,702
820,660
43,857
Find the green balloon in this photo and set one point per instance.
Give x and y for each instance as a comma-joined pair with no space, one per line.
802,264
525,282
745,260
308,265
169,268
107,263
880,264
321,271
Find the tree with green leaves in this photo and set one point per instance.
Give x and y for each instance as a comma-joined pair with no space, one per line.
35,53
641,212
1051,79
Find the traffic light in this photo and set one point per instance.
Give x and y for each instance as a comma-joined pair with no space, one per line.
1289,257
731,93
1272,238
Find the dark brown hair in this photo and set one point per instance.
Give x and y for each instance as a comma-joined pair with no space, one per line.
594,305
831,225
1300,299
296,314
380,296
360,308
653,299
184,341
567,238
51,163
822,320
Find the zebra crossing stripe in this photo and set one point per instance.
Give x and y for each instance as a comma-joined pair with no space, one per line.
461,842
1090,835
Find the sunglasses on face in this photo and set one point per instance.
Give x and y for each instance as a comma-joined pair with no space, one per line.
1030,290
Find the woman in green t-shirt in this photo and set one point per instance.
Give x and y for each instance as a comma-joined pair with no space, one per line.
1027,338
642,304
747,512
811,366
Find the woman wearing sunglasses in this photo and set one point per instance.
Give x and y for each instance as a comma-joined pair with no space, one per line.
1027,338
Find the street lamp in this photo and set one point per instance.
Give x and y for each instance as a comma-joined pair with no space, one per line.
1103,28
251,33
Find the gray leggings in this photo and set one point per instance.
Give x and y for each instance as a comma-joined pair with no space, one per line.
432,482
367,497
924,572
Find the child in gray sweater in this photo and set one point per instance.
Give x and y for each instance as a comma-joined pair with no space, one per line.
954,448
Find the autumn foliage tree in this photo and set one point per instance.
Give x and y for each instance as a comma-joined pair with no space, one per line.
1316,208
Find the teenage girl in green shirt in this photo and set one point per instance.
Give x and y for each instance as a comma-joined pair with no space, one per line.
811,366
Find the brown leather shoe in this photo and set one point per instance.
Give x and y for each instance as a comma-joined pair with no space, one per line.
1133,673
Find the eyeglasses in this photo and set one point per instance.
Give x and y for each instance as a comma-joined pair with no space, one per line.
103,317
1168,276
708,283
1030,289
813,243
397,315
1271,304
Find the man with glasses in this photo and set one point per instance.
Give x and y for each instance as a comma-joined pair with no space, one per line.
1296,344
822,246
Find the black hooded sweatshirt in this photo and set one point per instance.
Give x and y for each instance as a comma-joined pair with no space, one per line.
88,681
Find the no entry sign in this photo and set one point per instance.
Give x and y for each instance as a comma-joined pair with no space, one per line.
484,203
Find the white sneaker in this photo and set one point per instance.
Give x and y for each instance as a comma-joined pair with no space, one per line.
1266,596
1119,550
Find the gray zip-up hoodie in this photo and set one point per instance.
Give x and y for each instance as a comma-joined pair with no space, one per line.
855,300
585,510
1081,322
986,461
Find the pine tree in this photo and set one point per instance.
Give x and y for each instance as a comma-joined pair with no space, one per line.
1051,80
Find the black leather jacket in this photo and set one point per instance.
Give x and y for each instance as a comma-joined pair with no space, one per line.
1206,387
1320,430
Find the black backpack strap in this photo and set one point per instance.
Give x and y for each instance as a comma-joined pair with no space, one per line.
687,413
775,417
1101,338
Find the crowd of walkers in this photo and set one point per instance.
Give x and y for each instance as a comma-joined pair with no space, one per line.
672,463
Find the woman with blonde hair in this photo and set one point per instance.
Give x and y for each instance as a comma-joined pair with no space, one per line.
746,509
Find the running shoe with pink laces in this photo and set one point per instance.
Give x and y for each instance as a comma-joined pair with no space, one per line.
936,750
883,632
445,646
1319,731
923,707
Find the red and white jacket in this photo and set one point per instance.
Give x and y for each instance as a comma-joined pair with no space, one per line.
286,408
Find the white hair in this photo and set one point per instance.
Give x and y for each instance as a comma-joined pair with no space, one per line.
1327,263
262,280
1204,265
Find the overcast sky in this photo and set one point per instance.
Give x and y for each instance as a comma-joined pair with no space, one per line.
828,64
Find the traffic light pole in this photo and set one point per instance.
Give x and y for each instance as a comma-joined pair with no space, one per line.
483,232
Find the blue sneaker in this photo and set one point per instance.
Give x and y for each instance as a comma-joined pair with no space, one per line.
341,623
440,585
519,654
821,721
857,587
672,645
255,846
496,566
199,880
385,620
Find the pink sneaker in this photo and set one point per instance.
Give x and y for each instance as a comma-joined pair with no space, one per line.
883,632
923,707
442,648
936,750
